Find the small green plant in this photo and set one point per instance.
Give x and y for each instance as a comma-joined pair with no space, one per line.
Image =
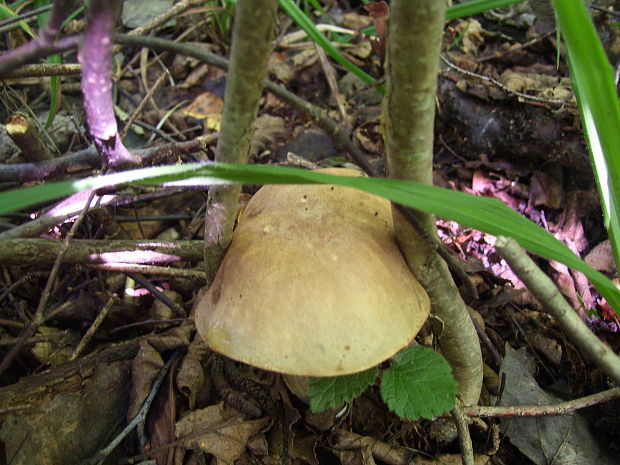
419,383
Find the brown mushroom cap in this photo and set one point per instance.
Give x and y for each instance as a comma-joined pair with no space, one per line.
313,284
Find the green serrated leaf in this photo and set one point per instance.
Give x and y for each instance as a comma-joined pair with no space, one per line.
419,384
333,392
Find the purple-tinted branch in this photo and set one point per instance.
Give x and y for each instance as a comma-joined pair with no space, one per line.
95,56
44,44
33,51
57,168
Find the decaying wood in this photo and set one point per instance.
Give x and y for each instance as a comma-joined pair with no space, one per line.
511,131
27,392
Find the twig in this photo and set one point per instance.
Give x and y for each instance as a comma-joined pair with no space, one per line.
561,408
5,23
300,162
151,270
44,69
39,316
93,328
554,101
340,135
134,116
330,76
11,323
19,282
547,293
467,450
159,154
497,358
516,49
140,416
604,10
176,308
176,10
95,57
44,44
83,251
137,324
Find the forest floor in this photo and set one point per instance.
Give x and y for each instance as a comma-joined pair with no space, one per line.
507,126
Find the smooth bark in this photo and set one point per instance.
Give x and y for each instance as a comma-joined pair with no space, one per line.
414,43
252,36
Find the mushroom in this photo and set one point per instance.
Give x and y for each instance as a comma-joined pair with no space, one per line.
313,284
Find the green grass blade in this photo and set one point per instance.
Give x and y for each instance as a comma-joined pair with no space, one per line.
318,37
482,213
72,16
593,81
473,7
6,12
302,20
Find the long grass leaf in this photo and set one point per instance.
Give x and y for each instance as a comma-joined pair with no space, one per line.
474,7
6,12
593,81
318,37
482,213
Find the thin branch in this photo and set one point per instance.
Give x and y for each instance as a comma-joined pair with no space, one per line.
93,328
160,154
547,293
95,57
39,316
195,275
43,70
44,44
5,23
134,116
162,19
561,408
252,34
140,416
467,449
521,95
338,133
25,252
171,304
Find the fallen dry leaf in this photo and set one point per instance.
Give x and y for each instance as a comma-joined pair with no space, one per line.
601,258
190,378
287,70
207,107
144,369
471,35
219,431
267,130
545,190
